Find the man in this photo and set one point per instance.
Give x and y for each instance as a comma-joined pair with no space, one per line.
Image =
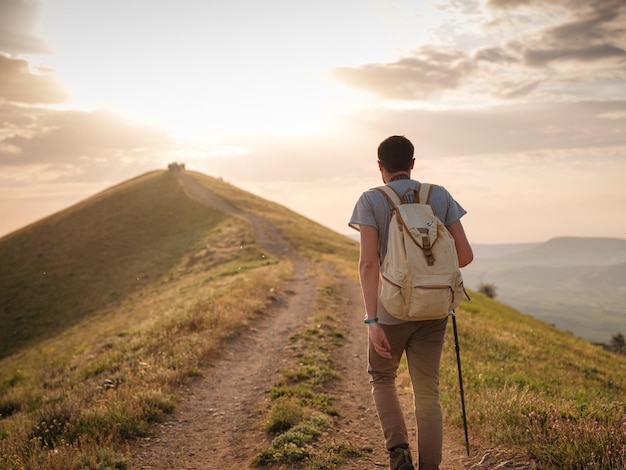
389,338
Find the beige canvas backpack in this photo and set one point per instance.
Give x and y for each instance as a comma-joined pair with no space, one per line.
421,279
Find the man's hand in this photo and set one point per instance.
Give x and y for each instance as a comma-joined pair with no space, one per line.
379,341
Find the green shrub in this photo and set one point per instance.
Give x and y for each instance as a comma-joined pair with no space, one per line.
285,413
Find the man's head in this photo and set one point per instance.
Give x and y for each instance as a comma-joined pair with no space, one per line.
395,154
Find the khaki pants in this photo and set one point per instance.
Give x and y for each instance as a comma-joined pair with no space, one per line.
423,342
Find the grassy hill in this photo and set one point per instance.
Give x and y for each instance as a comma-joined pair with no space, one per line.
536,388
68,267
109,306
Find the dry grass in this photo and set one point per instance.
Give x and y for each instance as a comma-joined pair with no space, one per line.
538,390
314,241
105,377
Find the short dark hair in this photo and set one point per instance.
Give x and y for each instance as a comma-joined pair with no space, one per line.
395,153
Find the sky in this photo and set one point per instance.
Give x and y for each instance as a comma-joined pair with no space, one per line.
517,107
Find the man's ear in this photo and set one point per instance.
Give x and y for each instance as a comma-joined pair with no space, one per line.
412,163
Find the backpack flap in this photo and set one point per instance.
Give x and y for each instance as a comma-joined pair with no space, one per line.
421,226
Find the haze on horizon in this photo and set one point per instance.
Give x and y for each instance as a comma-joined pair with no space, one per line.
518,107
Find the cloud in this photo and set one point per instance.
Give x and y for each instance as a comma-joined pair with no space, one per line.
18,20
464,6
596,21
593,32
18,84
495,55
543,57
510,90
539,45
72,143
54,145
426,73
569,30
505,128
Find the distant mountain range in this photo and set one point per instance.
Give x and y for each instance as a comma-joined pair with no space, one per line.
577,284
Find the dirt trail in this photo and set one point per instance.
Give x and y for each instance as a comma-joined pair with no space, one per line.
217,426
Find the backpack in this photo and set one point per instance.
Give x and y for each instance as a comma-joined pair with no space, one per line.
421,279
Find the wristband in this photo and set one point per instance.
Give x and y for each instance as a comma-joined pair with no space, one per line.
371,320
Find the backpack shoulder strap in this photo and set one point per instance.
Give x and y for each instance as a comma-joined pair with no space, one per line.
391,195
423,193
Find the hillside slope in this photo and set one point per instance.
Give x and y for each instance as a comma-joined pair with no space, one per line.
533,386
62,269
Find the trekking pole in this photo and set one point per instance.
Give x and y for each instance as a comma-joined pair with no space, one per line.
458,364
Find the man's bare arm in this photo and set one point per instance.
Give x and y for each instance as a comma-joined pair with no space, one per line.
369,274
463,248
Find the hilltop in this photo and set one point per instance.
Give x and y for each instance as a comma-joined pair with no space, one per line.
174,318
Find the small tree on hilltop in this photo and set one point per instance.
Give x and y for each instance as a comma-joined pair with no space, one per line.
488,289
618,344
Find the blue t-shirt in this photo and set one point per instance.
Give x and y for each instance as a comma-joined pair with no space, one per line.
373,209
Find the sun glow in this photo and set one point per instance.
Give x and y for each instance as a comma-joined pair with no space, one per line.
209,108
224,74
